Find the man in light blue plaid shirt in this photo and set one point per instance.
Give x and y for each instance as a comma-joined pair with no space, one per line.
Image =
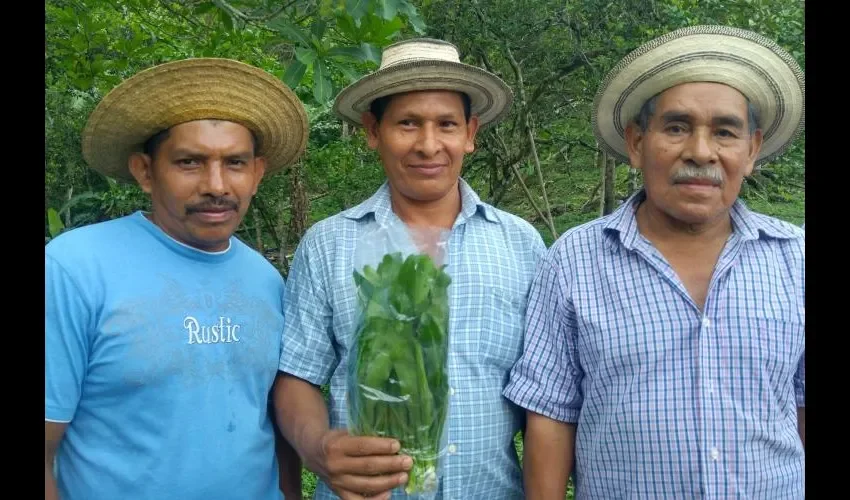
664,350
421,137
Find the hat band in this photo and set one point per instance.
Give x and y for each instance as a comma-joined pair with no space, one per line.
719,56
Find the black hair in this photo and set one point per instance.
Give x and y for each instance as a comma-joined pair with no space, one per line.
379,106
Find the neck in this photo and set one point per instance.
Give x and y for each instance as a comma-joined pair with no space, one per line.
441,212
655,225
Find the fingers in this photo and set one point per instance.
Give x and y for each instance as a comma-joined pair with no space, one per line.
370,466
370,487
365,446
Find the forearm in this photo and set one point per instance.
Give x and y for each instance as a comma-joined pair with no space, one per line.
302,417
801,425
289,466
548,453
51,492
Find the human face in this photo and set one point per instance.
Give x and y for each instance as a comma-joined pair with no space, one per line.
695,152
422,139
201,181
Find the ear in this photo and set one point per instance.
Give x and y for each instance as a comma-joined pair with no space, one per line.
141,166
259,172
634,145
471,130
756,142
370,125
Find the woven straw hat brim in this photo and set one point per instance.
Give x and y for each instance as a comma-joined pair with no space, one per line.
490,97
754,65
195,89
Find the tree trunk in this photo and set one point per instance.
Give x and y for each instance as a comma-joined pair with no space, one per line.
300,204
608,173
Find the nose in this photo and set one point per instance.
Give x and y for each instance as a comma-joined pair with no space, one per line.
700,148
212,181
428,143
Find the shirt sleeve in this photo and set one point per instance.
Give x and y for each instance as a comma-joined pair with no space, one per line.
307,345
800,382
66,345
547,377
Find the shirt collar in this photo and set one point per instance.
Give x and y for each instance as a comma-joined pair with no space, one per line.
380,206
747,224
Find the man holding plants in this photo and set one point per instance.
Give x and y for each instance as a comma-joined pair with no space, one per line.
665,344
420,111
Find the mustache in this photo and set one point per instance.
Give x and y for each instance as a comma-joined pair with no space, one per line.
217,203
689,173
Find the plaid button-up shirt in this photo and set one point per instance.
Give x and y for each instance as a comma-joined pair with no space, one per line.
670,401
492,260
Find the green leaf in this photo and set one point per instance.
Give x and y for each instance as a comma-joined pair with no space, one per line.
226,20
203,8
54,222
357,9
348,52
321,82
294,73
386,29
318,29
413,16
350,73
389,8
306,56
371,52
289,31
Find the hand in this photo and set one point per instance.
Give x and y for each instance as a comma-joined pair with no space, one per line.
363,467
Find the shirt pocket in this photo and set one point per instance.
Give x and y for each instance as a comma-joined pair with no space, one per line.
763,355
501,339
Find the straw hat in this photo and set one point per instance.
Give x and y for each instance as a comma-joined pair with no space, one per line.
194,89
426,64
757,67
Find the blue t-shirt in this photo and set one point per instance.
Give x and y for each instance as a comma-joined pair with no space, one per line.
161,358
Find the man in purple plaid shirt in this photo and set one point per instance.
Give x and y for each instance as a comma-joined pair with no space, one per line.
664,348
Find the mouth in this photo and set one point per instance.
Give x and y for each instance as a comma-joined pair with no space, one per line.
428,169
215,215
698,183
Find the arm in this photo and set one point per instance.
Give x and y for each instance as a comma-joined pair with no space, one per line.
352,466
66,355
801,425
548,461
289,463
53,433
546,382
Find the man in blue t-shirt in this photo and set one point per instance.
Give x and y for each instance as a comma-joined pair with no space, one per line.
163,330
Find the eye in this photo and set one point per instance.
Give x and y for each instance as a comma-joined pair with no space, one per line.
187,162
676,129
237,162
448,124
726,134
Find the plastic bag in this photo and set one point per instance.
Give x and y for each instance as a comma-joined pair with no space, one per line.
397,379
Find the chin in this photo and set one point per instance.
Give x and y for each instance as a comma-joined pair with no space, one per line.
427,190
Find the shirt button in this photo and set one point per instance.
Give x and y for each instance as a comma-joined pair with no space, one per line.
715,454
710,388
706,322
452,449
451,391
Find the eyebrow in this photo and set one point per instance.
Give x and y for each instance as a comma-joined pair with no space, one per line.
679,116
416,116
182,152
